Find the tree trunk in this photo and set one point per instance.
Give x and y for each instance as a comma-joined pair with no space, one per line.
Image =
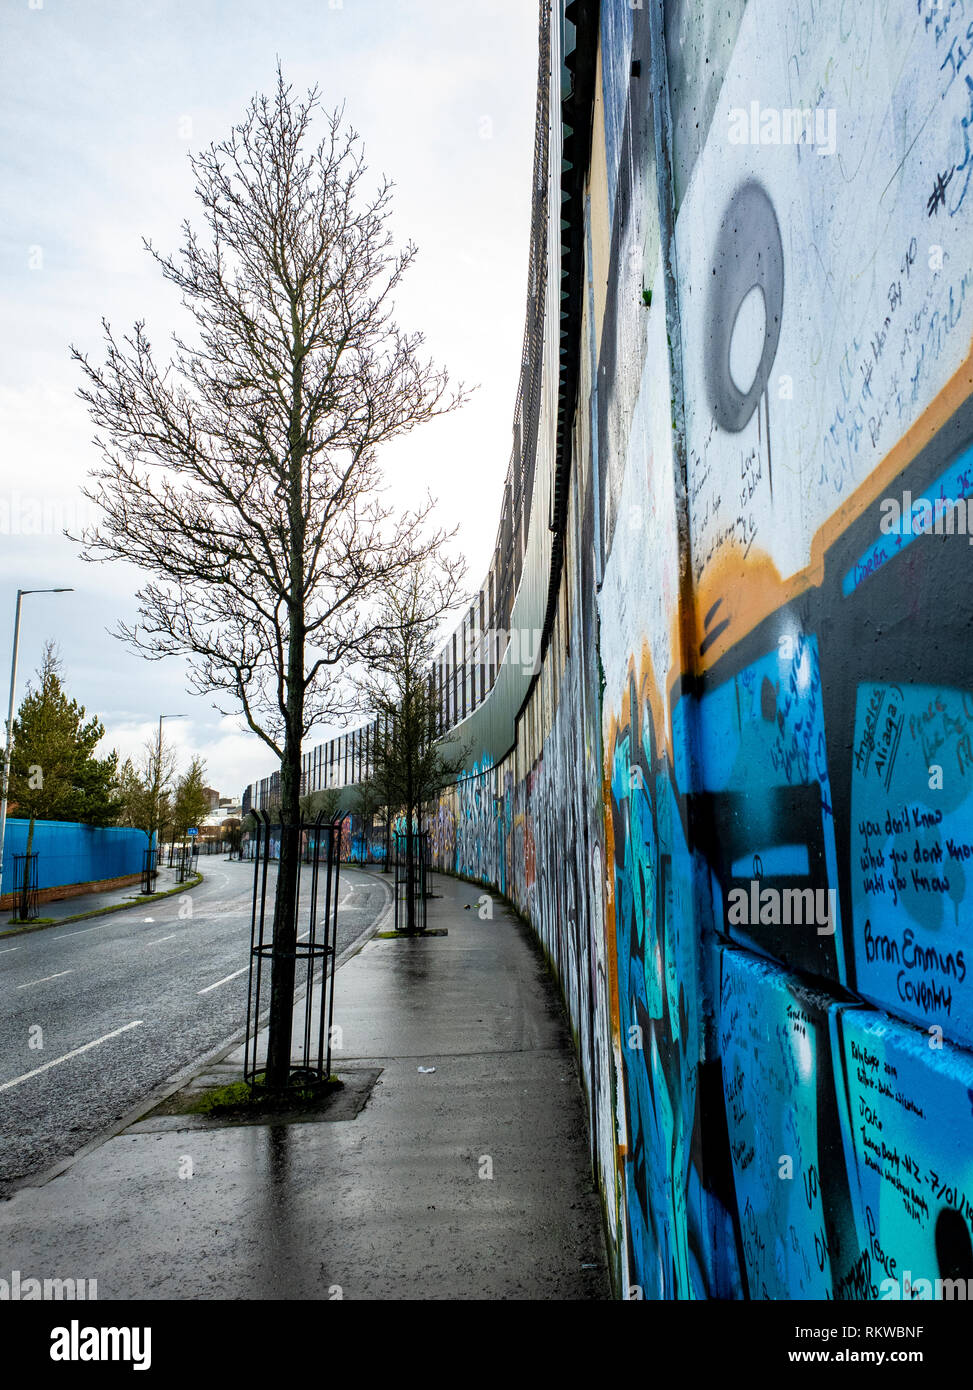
410,860
285,921
22,906
289,868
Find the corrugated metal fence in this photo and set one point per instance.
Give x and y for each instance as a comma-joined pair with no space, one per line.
72,853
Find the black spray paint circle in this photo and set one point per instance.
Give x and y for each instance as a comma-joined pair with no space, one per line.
748,252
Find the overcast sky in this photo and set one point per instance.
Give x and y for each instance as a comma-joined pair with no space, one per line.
100,102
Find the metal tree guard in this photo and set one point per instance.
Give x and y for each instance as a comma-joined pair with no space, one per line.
184,863
416,888
149,871
316,946
25,886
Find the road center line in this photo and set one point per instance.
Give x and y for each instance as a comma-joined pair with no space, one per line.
162,938
9,948
68,935
45,978
76,1052
223,981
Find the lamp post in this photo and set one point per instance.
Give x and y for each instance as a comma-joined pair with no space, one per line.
10,714
158,774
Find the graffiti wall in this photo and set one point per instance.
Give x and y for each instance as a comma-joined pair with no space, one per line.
738,808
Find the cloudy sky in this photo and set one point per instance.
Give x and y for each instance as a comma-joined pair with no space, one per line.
100,102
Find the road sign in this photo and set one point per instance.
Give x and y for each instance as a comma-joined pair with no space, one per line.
192,832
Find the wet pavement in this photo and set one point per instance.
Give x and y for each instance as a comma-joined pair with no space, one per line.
464,1174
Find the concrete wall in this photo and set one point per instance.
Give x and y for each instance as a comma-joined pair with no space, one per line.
752,686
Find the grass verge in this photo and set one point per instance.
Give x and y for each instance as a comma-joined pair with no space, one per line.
17,929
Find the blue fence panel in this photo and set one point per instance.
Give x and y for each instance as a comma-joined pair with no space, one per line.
72,853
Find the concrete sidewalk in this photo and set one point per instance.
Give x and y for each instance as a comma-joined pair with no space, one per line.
469,1181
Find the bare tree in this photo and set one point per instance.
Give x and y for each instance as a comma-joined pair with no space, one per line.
410,764
145,789
244,475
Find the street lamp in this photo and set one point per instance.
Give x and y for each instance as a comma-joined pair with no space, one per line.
10,715
158,773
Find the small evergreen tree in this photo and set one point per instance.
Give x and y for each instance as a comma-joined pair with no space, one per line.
96,780
191,803
54,774
133,793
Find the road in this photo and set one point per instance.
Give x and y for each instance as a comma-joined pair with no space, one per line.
135,997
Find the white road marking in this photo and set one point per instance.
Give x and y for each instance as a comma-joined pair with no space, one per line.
76,1052
223,981
9,948
162,938
45,978
68,935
